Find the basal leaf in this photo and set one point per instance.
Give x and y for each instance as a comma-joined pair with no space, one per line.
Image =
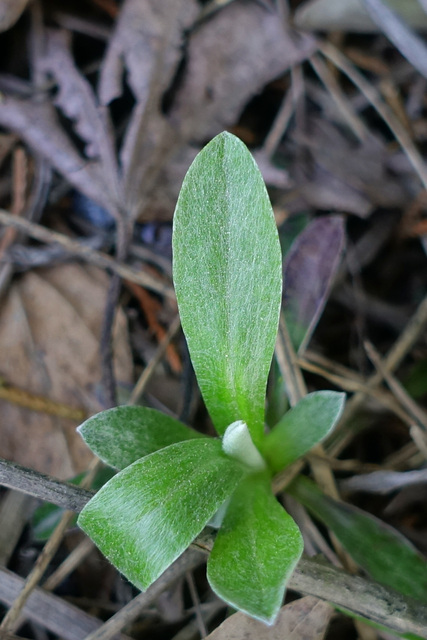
255,551
149,513
227,274
122,435
309,269
379,549
302,427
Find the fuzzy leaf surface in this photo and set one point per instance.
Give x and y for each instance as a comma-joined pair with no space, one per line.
149,513
379,549
302,427
255,551
227,274
122,435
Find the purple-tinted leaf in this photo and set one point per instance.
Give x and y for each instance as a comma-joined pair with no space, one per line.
309,270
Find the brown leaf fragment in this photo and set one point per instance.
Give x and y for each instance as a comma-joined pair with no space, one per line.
50,611
139,39
148,145
49,344
77,101
304,619
231,57
343,175
10,12
37,124
324,190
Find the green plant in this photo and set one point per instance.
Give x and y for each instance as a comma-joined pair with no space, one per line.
173,480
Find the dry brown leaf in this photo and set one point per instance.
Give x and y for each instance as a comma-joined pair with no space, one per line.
304,619
138,41
38,125
77,101
149,39
10,12
343,175
49,344
231,57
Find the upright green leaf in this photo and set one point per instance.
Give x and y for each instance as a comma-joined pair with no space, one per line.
302,427
122,435
255,551
382,551
149,513
227,274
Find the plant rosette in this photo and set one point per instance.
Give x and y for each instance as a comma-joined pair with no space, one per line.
173,481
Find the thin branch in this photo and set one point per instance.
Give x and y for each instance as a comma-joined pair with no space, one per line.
61,618
189,560
344,105
145,376
295,383
282,119
400,393
11,620
391,361
354,383
84,253
70,564
371,94
359,596
39,485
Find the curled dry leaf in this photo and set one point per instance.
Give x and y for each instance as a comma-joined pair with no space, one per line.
38,125
231,57
304,619
223,69
49,343
140,39
148,41
343,175
10,12
77,101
